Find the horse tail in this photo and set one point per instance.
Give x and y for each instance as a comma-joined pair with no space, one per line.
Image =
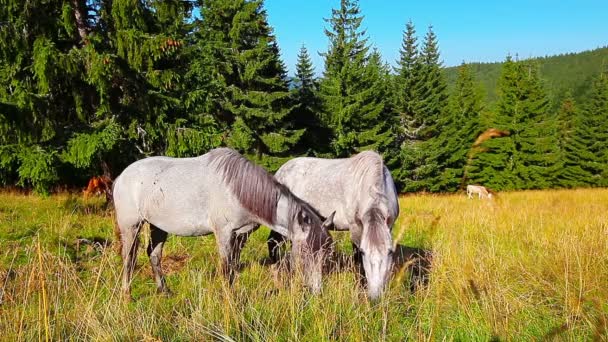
115,227
117,245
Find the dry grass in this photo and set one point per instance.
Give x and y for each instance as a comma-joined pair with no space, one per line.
532,265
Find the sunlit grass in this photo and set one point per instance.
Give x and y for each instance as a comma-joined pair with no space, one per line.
528,265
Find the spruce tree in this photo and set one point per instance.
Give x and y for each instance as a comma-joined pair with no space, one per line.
422,100
307,111
537,133
136,62
251,97
95,84
408,84
595,123
526,158
459,129
42,90
352,88
573,142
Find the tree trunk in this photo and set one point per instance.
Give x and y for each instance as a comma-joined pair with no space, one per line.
80,13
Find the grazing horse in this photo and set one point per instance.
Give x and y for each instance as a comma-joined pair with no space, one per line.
99,185
479,190
362,192
222,193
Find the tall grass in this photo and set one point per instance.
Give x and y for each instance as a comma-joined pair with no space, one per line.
529,265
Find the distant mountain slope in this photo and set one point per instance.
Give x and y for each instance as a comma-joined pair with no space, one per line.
572,71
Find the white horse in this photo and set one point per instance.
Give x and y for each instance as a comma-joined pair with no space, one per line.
221,193
362,192
481,191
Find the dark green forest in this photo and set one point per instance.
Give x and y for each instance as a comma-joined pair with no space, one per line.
572,72
89,86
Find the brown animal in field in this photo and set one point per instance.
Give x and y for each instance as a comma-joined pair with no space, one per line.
99,185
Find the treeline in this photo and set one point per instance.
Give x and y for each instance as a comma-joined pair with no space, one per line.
89,86
562,74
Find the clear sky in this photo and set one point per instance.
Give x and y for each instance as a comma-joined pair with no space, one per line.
471,31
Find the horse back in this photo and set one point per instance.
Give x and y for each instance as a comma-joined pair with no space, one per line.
182,196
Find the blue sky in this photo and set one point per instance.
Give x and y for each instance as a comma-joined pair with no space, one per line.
472,31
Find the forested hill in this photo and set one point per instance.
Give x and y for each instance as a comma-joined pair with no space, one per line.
572,71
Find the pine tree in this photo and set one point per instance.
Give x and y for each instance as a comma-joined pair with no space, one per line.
527,158
251,98
42,89
537,134
422,102
459,129
596,126
136,63
307,112
352,88
573,142
96,84
408,84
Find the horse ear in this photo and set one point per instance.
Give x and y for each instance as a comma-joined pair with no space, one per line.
329,221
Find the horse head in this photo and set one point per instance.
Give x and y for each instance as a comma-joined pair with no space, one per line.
311,241
377,250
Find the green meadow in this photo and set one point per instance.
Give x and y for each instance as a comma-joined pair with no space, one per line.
526,266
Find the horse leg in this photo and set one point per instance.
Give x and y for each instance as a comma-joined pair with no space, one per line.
155,253
238,241
130,243
225,245
274,246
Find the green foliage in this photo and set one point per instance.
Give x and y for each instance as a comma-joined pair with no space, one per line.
353,88
528,157
573,142
459,128
594,132
89,86
83,149
421,98
251,97
571,72
184,140
308,108
37,168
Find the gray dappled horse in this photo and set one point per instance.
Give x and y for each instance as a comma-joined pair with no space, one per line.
361,191
220,192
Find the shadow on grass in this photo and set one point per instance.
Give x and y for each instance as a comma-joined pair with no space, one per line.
415,262
418,263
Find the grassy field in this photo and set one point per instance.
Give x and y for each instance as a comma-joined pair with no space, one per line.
529,265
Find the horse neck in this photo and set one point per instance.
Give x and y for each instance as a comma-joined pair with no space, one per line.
286,205
369,181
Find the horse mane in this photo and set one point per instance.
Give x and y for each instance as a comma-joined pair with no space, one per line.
369,169
376,237
255,189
